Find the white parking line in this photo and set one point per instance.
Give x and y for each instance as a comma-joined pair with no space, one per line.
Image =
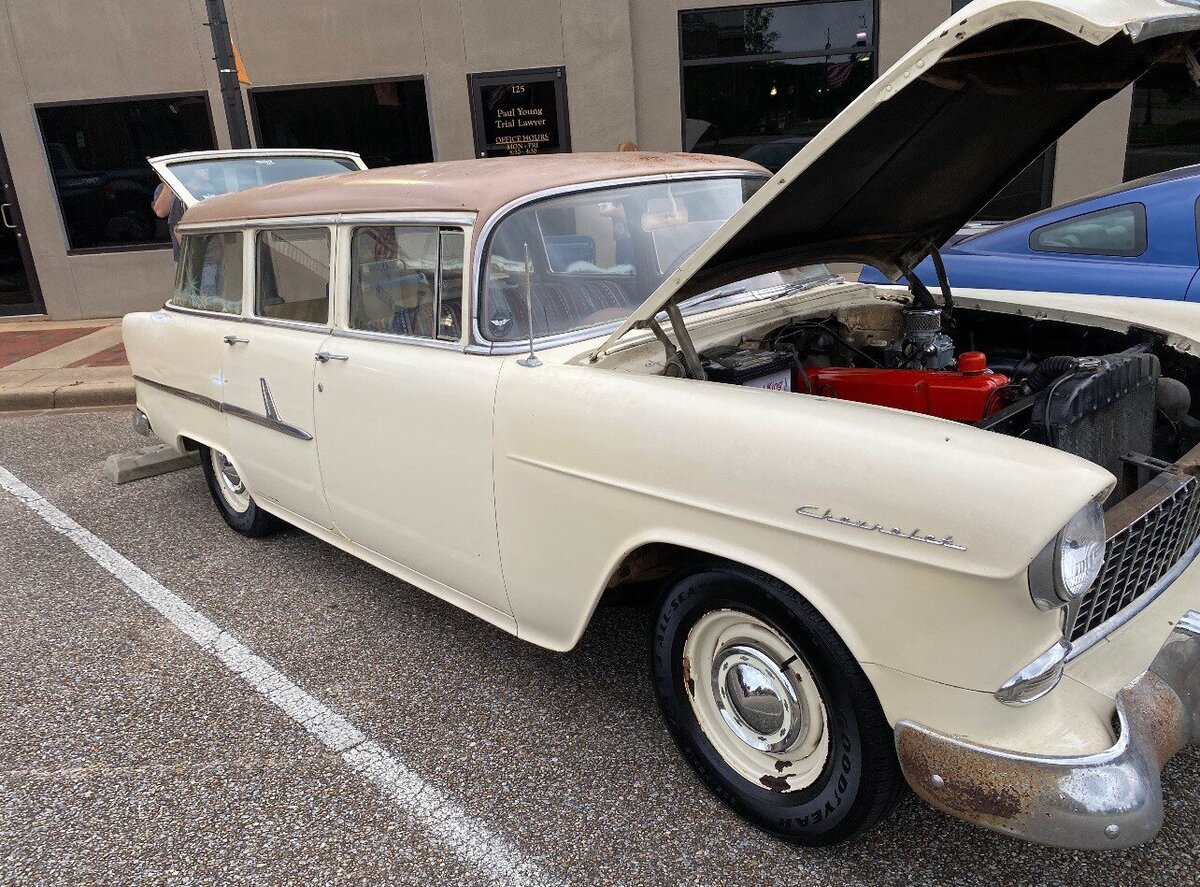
441,817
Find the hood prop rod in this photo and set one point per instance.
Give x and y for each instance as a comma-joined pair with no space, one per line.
922,297
687,349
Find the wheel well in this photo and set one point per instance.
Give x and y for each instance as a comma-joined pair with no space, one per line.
644,570
189,445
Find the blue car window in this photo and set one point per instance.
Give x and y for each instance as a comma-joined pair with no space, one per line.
1115,231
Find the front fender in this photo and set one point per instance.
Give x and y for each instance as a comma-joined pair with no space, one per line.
925,574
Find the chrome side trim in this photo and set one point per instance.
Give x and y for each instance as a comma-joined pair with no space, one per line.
1104,801
483,233
201,399
1101,631
275,424
266,421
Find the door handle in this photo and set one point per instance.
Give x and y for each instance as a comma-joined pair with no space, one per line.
325,356
4,208
235,340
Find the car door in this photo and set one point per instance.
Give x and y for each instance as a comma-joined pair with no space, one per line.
267,369
404,417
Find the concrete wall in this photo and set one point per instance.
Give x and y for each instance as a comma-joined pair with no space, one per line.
54,50
621,58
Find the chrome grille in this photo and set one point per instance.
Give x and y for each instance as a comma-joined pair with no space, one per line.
1143,549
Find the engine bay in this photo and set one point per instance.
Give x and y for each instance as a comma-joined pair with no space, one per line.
1121,400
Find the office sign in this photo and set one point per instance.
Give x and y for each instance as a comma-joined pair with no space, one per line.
520,112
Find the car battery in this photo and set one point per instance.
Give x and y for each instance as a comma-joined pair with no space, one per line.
753,369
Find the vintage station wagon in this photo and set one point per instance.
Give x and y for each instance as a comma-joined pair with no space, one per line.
895,536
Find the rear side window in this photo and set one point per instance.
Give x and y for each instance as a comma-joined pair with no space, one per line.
1116,231
293,275
209,277
407,280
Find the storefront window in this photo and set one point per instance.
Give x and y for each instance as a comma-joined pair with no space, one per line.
760,81
387,123
1164,125
97,154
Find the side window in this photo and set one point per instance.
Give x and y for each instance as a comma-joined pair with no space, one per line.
1117,231
293,275
406,279
210,273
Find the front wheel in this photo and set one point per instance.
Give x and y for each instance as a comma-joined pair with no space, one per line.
232,498
770,708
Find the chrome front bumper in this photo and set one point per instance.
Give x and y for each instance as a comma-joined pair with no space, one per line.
1095,802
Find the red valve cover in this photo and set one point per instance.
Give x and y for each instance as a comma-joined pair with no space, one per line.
965,397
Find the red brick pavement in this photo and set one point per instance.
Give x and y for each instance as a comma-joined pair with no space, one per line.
16,346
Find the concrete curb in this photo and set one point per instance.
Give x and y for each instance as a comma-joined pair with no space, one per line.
80,394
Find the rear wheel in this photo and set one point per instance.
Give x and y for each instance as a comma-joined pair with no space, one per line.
232,498
770,708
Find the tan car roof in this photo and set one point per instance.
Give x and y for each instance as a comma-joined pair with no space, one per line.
482,186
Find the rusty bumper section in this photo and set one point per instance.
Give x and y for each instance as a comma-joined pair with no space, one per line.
1095,802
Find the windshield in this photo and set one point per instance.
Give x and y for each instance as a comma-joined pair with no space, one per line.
208,177
594,257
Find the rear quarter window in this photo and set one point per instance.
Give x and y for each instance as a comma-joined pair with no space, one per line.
209,277
1115,231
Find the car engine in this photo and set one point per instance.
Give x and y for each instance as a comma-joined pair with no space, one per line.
1122,401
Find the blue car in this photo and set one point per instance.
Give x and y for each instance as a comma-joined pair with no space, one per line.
1136,240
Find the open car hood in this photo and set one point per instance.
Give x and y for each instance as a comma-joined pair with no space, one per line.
935,137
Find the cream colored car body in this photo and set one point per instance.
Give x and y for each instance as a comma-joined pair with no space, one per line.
521,493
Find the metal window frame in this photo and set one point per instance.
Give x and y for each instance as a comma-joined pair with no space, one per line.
558,73
71,103
872,48
256,123
36,307
330,293
181,267
441,228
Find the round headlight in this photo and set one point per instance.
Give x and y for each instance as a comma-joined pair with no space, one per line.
1080,553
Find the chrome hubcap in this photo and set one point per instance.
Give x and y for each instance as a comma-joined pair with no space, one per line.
233,489
756,700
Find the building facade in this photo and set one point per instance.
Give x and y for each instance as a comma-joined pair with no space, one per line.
89,90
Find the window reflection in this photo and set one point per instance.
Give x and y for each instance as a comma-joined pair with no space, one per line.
97,154
759,82
1164,124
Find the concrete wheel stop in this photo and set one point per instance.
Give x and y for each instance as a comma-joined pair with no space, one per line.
149,461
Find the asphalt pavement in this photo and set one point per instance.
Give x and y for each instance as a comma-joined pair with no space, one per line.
131,753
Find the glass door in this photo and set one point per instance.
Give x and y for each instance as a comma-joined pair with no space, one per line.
18,284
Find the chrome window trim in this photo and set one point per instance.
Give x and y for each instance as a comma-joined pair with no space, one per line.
200,312
478,340
228,229
397,217
462,222
331,300
253,225
258,321
373,336
300,325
